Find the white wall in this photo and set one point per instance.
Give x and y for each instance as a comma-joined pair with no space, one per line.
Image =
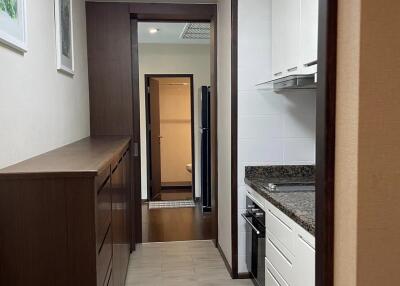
40,108
272,128
224,128
173,59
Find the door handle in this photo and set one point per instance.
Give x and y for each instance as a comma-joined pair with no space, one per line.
249,222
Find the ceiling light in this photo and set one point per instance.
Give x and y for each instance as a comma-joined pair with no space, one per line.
153,30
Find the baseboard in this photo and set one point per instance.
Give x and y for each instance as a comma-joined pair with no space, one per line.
227,265
244,275
176,189
176,185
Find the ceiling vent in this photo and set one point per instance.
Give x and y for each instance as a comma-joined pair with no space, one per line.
196,31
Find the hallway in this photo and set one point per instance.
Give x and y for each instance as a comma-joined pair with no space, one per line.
189,263
175,224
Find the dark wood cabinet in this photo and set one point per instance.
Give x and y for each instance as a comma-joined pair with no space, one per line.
120,199
64,216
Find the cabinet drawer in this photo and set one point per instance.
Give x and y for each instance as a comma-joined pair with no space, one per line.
279,257
104,257
103,212
272,277
280,226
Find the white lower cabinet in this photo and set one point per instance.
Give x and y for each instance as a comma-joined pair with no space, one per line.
272,277
289,249
304,266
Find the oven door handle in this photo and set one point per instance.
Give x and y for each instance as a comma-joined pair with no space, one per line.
249,222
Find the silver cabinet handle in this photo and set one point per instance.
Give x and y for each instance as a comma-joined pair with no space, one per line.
278,73
292,69
310,63
249,222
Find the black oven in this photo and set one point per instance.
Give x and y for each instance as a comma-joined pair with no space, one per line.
255,242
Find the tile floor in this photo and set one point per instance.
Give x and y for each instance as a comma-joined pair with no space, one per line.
188,263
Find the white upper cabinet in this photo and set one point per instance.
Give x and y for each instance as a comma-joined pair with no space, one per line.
309,35
294,37
285,37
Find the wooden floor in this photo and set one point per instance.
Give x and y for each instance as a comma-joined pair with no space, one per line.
160,225
189,263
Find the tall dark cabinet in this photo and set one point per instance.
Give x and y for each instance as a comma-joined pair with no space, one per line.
112,109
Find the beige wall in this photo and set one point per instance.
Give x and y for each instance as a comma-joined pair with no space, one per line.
40,108
224,128
173,59
367,197
175,129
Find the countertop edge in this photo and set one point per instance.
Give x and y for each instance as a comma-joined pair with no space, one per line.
308,227
13,175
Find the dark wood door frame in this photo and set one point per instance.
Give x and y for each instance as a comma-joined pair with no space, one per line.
180,13
147,78
325,141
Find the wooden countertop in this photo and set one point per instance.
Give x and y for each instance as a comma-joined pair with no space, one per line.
86,157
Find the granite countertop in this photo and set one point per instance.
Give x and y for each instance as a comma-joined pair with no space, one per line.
299,206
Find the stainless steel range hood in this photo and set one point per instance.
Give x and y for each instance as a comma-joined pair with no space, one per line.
307,81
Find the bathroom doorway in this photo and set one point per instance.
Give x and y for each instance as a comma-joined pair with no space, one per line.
170,137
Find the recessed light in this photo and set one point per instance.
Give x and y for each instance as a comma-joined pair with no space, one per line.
153,30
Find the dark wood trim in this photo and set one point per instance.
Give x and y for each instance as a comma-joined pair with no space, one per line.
173,12
244,275
181,190
325,142
177,188
227,265
234,136
147,82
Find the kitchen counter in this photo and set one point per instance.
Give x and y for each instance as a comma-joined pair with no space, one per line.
299,206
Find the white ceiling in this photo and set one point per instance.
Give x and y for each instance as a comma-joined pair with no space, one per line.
169,33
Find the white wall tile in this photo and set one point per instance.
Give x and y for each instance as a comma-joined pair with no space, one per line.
299,149
242,267
260,102
266,127
242,243
242,198
254,150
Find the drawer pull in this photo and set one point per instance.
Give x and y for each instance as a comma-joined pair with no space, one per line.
278,74
252,226
292,69
279,251
306,242
278,218
310,63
